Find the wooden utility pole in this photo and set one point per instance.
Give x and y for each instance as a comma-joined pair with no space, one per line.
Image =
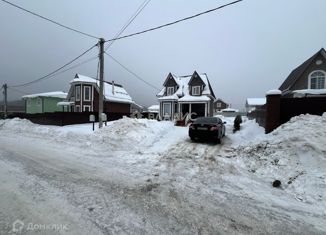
5,105
101,100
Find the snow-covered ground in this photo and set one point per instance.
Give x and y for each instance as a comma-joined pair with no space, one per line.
139,176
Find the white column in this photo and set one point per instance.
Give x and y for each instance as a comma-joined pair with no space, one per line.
206,113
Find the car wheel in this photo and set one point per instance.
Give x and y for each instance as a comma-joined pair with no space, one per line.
218,140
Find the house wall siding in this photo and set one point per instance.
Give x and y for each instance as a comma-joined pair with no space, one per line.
196,81
33,107
50,104
302,82
116,107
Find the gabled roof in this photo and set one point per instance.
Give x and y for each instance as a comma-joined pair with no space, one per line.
183,90
120,95
53,94
296,73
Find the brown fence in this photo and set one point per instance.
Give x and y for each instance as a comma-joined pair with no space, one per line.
259,114
65,118
291,107
279,110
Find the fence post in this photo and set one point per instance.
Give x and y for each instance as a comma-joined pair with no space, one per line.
273,110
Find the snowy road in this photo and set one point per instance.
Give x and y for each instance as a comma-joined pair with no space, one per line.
187,189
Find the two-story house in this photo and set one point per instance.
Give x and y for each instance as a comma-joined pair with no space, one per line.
83,96
308,78
181,95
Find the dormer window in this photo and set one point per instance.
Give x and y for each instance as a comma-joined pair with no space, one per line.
170,91
196,90
317,80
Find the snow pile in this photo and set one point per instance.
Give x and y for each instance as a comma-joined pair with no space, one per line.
294,153
123,134
128,133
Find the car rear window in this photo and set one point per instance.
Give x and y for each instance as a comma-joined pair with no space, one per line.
207,120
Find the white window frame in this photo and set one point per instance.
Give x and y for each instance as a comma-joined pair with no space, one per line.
218,104
195,90
77,106
90,95
169,107
170,90
77,88
87,106
317,79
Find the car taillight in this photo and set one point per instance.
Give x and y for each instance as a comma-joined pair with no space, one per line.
214,128
192,126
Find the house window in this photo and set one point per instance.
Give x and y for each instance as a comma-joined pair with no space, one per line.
218,105
87,93
77,93
87,108
317,80
170,91
77,108
196,90
38,101
167,110
29,102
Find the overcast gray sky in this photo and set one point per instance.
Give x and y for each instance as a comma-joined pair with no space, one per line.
246,49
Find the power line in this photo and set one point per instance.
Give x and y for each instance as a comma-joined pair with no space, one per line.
133,73
19,91
55,71
47,19
174,22
72,67
129,21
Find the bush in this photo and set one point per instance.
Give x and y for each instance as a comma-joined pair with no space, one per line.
237,122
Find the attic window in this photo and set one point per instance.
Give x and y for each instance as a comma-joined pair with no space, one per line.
170,91
317,80
196,90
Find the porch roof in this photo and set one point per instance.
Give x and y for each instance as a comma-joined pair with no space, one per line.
189,98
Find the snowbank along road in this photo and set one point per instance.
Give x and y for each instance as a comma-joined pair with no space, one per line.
147,177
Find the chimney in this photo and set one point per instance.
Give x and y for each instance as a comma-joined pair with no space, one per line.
113,87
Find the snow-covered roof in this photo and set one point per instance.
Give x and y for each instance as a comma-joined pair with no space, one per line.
54,94
118,95
311,91
183,89
274,92
65,103
256,101
153,108
190,98
229,110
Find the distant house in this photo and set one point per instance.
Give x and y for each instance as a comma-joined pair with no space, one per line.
44,102
219,104
83,96
153,108
136,108
186,94
253,103
307,79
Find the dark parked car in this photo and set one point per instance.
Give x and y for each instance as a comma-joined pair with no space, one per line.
207,128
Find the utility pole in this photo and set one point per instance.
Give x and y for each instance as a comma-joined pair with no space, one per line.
100,105
5,106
